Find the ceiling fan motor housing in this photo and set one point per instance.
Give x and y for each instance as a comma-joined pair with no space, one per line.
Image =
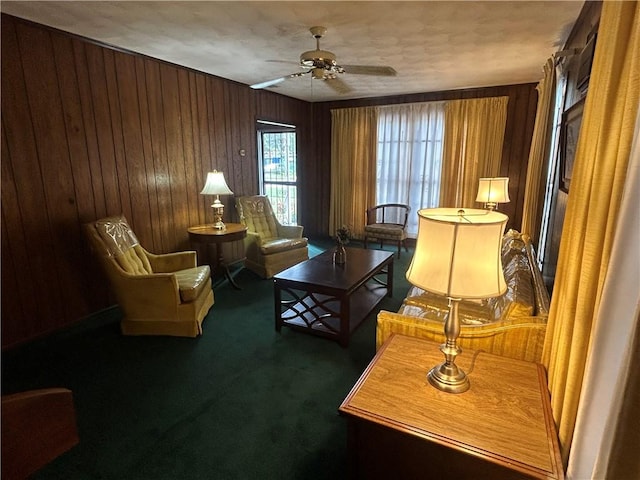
318,59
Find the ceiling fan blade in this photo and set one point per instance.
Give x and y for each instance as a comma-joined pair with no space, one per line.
275,81
370,70
338,85
268,83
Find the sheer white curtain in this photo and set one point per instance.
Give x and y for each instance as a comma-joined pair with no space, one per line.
409,158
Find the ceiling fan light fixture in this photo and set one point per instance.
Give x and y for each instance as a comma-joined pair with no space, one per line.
318,74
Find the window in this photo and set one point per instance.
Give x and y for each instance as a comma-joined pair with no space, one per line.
278,169
409,157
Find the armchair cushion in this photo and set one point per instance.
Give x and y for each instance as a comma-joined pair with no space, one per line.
192,281
387,231
281,244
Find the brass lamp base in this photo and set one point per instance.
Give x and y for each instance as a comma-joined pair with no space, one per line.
218,211
219,225
448,378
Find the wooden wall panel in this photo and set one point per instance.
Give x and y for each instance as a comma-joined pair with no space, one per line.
151,191
90,131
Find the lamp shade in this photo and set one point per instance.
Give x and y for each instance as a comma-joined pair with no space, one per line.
493,190
216,185
458,253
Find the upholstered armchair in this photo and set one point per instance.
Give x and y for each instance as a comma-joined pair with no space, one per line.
269,246
159,294
387,222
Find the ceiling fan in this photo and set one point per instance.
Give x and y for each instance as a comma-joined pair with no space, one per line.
322,65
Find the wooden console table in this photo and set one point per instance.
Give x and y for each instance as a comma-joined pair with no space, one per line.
210,235
403,428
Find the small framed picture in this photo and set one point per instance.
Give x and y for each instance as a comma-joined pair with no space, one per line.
569,131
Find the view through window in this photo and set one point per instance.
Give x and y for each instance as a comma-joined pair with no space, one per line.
278,169
409,157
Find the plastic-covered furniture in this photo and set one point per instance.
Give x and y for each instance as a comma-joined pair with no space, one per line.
270,247
159,294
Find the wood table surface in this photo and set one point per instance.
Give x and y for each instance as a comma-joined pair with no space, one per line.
208,234
504,418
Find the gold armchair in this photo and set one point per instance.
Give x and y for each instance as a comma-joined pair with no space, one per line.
387,222
159,294
269,246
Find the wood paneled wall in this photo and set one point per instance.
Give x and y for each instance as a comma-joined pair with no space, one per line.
90,131
515,153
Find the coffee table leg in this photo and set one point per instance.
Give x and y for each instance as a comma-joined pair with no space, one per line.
390,279
345,327
277,303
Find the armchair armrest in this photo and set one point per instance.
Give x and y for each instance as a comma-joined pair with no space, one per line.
172,262
290,231
252,243
543,300
147,296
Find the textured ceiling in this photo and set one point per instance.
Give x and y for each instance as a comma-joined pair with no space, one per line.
433,46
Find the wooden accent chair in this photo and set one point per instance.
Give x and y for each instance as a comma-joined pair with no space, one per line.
37,427
159,294
269,246
387,222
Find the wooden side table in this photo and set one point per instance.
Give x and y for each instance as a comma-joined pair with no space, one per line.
209,235
403,428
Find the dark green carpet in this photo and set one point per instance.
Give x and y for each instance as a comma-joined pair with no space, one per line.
239,402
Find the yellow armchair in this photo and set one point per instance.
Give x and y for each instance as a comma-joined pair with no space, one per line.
159,294
269,246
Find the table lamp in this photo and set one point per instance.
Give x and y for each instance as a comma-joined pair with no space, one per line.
458,256
216,185
492,191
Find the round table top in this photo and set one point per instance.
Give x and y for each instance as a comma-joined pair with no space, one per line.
232,231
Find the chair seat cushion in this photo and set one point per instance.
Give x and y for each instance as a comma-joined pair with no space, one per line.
276,245
386,230
192,281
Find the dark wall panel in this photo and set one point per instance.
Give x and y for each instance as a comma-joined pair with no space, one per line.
90,131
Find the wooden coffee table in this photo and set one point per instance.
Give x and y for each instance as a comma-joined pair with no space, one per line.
321,298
